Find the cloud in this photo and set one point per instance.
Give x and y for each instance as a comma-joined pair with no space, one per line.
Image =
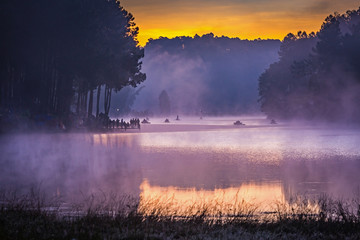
319,7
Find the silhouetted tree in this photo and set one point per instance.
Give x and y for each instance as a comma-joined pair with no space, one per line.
323,81
217,75
280,84
53,51
164,103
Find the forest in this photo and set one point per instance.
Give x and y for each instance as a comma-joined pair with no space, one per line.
56,54
62,62
317,76
205,74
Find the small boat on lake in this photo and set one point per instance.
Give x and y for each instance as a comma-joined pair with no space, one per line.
145,121
238,123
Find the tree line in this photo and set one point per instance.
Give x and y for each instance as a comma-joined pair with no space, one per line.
317,76
204,74
56,54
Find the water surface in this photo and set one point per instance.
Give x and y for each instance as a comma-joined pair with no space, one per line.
189,163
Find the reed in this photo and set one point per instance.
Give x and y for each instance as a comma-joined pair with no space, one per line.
109,216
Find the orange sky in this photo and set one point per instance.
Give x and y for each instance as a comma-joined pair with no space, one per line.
246,19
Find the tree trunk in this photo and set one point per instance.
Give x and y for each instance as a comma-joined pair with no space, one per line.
85,104
91,96
78,104
107,99
98,100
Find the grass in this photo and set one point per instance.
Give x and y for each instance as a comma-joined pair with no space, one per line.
33,216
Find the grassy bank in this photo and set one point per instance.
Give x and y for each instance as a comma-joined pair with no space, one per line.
120,218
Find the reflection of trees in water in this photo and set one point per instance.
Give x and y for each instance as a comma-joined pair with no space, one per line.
201,182
68,165
209,170
205,168
334,176
72,163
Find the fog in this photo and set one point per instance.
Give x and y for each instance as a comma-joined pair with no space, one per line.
64,62
208,74
206,156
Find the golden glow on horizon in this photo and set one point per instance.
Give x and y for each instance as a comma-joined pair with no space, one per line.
245,28
243,19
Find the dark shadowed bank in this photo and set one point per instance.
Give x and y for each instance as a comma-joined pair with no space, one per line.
31,217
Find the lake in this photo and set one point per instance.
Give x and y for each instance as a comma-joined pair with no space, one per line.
189,163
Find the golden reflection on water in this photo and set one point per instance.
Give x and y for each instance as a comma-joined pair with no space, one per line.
113,140
245,199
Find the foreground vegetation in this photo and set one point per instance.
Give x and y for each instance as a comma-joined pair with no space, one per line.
30,217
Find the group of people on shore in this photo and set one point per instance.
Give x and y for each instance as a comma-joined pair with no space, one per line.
108,123
133,123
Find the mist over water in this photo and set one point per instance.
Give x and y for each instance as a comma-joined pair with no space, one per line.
208,155
203,160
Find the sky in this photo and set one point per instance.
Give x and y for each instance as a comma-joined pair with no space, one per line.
246,19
